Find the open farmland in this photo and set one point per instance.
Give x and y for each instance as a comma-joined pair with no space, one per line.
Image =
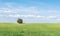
32,29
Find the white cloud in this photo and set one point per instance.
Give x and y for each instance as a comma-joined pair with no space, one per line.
8,11
53,11
32,10
15,8
5,10
51,17
41,16
26,16
57,19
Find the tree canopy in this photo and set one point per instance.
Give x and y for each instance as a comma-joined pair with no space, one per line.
20,21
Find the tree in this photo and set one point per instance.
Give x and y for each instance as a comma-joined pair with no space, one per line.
20,21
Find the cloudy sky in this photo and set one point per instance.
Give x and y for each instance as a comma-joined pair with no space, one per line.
30,10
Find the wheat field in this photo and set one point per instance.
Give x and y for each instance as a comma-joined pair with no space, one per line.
30,29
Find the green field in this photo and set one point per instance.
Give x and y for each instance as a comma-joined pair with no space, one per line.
32,29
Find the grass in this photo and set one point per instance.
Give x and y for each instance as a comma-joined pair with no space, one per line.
32,29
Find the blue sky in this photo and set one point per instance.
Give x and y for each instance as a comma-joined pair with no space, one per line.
31,11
